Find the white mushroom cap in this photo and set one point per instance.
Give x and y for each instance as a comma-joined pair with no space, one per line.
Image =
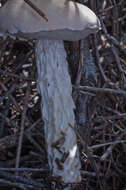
67,20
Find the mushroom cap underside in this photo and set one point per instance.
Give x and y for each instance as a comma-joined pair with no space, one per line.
67,20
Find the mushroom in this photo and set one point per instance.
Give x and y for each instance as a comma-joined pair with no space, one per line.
67,20
70,21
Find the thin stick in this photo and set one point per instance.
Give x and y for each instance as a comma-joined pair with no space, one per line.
33,6
102,90
22,128
44,170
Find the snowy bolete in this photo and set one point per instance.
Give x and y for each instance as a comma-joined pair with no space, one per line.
66,20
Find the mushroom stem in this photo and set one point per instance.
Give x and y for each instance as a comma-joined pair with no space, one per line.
57,110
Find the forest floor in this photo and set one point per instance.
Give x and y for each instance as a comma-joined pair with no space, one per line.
101,137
